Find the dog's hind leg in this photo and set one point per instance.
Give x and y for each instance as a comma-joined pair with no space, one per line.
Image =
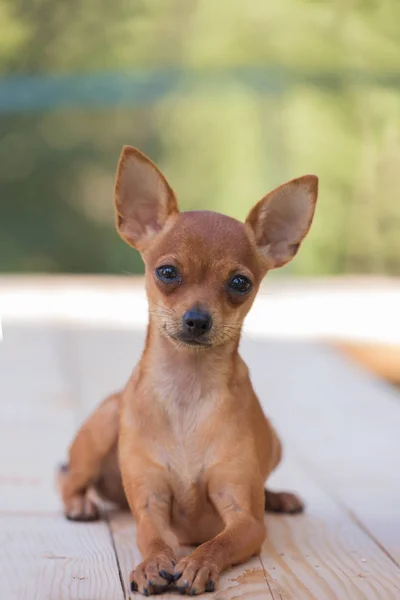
277,502
282,502
94,441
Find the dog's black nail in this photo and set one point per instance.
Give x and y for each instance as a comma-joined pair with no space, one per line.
134,587
173,563
177,575
192,592
64,467
166,575
184,587
210,586
145,591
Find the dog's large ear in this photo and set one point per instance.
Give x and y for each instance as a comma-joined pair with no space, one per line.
282,218
143,199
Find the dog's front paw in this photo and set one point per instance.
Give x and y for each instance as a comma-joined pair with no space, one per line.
153,575
196,574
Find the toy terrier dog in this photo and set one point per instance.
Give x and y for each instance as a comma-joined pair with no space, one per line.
186,444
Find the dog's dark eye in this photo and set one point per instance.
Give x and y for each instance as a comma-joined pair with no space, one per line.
167,273
240,284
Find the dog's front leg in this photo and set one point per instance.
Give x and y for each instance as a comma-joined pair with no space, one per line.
241,507
150,500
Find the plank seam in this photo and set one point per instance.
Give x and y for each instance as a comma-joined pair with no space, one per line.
266,580
121,579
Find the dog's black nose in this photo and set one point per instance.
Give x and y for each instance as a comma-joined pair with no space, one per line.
196,322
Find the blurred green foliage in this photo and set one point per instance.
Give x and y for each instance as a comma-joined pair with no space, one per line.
242,97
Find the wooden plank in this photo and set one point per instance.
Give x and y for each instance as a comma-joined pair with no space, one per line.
104,361
323,554
42,555
27,475
243,581
37,417
33,386
342,421
49,558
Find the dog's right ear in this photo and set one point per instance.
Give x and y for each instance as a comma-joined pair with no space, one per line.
143,199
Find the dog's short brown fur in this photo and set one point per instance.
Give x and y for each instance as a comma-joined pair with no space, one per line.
186,444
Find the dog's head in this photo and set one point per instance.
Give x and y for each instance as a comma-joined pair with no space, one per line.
203,269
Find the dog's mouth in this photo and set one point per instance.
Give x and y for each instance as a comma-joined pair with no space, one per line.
190,341
215,337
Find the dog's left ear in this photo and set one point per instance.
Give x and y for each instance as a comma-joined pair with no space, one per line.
280,221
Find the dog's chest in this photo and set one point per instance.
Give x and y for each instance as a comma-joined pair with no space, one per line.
187,467
190,399
194,518
186,451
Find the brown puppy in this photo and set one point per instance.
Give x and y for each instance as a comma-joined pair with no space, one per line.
186,444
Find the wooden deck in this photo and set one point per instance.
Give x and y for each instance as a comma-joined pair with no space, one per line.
341,431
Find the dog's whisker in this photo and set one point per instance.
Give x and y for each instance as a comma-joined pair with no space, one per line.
171,308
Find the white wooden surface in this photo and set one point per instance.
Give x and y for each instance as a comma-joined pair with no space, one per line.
339,425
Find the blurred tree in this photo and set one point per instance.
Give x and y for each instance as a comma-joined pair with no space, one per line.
230,99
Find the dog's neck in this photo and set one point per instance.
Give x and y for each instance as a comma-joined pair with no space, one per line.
181,372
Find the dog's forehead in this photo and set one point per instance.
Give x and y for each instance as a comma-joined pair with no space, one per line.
206,238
